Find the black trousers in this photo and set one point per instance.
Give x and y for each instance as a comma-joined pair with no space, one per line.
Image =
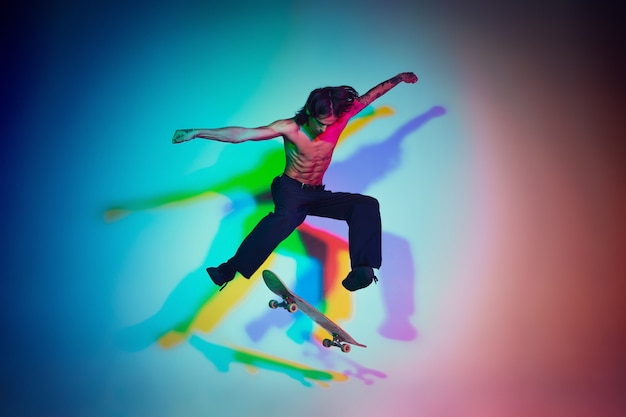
292,203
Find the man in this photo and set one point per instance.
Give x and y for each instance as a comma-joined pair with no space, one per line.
309,139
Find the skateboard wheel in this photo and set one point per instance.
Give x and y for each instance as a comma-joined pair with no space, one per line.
327,343
273,304
292,308
345,348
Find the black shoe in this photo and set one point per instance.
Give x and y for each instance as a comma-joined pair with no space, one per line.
221,275
359,277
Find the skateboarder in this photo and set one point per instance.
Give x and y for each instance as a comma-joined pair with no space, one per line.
309,138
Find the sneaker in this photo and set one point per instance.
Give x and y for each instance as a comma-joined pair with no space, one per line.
221,275
360,277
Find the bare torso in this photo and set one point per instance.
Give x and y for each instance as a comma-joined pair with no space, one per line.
308,154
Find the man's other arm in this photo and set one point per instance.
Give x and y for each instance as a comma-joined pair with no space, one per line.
234,134
382,88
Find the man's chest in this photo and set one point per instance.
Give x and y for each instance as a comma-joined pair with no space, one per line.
312,150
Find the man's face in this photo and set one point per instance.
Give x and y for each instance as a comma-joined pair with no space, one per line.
318,125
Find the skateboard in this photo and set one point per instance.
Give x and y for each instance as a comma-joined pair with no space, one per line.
292,303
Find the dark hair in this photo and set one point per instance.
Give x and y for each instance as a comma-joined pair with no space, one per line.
327,101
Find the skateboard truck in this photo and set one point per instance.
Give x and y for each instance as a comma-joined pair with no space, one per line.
288,305
345,347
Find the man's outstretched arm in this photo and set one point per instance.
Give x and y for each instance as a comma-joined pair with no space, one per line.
232,134
367,98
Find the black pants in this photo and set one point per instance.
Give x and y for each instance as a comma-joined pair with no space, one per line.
292,203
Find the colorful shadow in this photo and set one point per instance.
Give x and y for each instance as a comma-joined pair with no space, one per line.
222,357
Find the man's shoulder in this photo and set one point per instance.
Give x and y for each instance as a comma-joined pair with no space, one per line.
357,106
286,127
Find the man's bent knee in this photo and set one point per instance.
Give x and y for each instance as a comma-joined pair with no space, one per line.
370,202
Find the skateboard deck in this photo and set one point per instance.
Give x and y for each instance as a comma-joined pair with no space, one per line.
292,303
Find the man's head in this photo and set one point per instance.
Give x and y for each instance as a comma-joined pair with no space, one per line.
326,103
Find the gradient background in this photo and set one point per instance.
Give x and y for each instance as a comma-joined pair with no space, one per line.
512,201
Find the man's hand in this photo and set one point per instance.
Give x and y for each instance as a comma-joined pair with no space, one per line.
183,135
408,77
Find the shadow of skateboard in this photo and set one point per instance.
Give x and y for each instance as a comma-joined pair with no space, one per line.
292,303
